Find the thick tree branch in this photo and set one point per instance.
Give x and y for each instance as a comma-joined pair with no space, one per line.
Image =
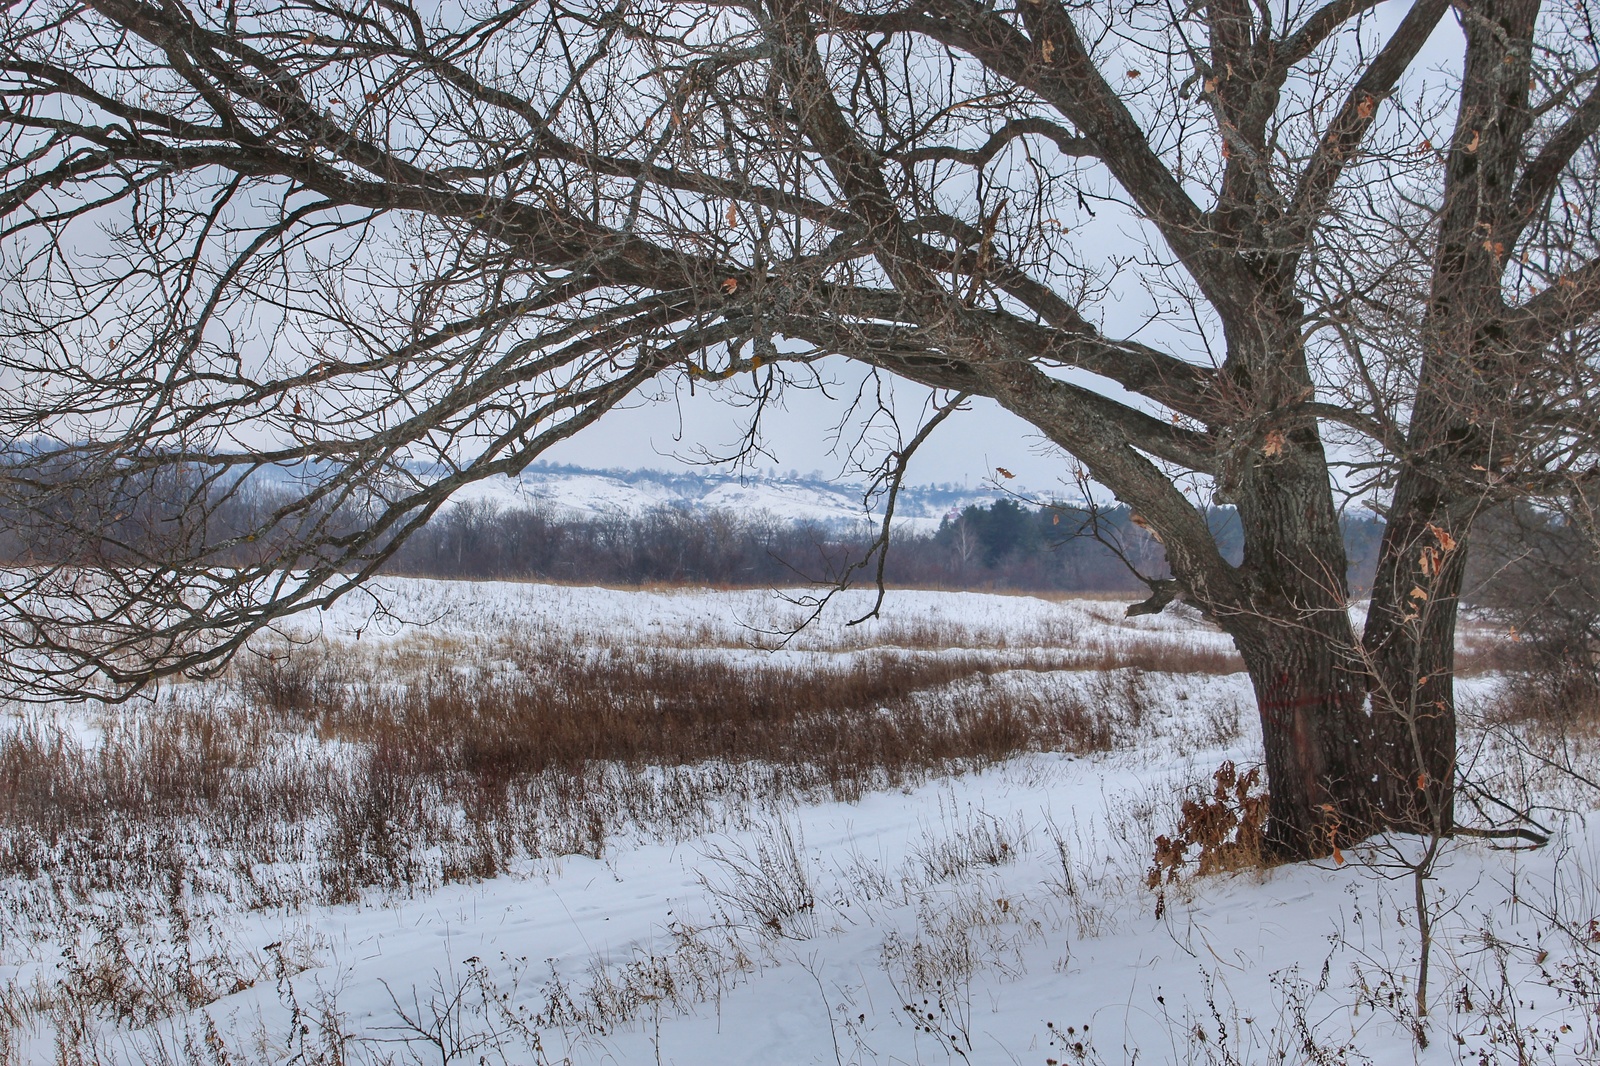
1567,305
1339,144
1543,173
1066,142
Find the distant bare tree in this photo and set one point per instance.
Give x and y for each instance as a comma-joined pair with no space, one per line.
333,241
963,545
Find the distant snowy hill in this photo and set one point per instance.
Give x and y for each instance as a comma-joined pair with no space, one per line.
587,493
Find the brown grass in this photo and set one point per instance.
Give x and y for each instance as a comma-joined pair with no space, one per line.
1154,655
407,771
562,710
1481,651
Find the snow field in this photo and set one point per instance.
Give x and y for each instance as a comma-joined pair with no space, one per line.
998,915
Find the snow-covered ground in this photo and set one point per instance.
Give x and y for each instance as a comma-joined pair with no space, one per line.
999,916
397,608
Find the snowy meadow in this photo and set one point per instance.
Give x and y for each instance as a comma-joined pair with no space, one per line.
517,823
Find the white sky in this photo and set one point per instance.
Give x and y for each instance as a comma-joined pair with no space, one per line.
801,435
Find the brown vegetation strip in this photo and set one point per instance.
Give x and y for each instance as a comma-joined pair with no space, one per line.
379,778
562,710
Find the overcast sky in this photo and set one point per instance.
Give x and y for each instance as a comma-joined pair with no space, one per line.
802,435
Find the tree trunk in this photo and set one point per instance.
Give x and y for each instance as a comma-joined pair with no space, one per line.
1410,639
1310,694
1464,423
1411,643
1301,650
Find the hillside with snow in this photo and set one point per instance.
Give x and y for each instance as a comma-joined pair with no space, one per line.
580,492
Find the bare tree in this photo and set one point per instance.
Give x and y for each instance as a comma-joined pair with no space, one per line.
331,241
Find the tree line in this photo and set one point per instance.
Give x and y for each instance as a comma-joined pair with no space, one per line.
1004,545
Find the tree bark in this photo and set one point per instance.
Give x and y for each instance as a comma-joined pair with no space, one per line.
1300,650
1410,644
1310,697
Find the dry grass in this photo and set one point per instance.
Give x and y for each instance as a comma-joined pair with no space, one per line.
319,773
851,722
410,770
1052,644
1154,655
1482,651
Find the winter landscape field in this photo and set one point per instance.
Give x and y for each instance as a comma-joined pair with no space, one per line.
403,417
519,823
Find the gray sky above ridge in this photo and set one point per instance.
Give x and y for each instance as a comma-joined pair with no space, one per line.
803,433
